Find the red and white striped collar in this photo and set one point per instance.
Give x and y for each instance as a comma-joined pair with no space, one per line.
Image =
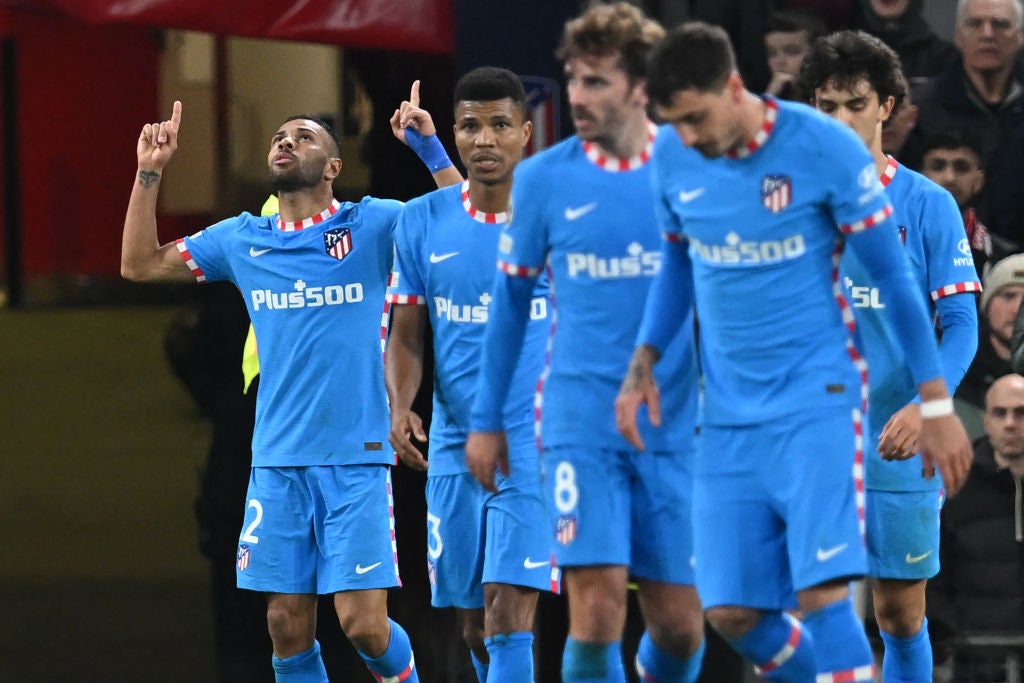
771,113
478,215
312,220
614,163
890,170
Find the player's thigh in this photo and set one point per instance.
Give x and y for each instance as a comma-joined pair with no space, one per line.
277,550
455,540
355,528
662,516
903,534
739,539
822,494
587,497
518,545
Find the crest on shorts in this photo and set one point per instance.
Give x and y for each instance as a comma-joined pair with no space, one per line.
776,192
338,242
242,558
565,529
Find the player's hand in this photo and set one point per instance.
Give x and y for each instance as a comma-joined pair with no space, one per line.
944,445
487,452
898,440
638,387
157,141
779,82
406,424
409,115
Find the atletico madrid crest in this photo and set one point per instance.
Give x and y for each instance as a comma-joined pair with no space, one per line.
338,242
242,558
565,529
776,192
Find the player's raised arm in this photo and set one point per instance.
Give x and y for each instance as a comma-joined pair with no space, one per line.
414,127
143,258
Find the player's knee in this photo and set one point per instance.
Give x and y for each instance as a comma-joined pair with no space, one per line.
368,631
733,622
290,629
902,619
508,609
473,635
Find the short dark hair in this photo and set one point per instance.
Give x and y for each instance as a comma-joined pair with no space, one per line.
793,20
845,57
490,83
693,55
328,128
953,138
618,28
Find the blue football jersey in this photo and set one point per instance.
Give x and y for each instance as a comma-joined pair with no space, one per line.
928,223
765,234
445,251
590,221
315,293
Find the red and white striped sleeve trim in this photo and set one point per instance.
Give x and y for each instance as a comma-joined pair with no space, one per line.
958,288
414,299
519,271
186,256
869,222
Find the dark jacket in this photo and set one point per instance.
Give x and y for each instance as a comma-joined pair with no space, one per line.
952,102
980,587
986,368
922,53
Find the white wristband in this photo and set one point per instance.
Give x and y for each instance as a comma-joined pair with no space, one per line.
940,407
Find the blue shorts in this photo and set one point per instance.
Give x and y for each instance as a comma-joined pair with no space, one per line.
318,530
476,537
903,534
775,508
623,508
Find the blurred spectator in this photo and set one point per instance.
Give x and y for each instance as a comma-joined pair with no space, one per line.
900,26
982,92
837,14
952,158
744,21
980,590
1001,296
787,38
896,140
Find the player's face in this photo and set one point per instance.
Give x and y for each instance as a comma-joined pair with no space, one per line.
786,50
856,105
300,156
709,122
602,99
988,34
889,9
1002,311
490,136
957,170
1004,418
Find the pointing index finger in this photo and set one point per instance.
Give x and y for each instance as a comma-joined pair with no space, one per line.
414,93
176,114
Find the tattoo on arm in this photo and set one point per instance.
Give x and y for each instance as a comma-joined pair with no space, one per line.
147,178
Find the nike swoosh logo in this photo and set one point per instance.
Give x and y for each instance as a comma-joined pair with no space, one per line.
687,197
533,565
572,214
360,569
826,555
254,253
914,559
437,258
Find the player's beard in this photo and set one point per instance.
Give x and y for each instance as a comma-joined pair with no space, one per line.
295,180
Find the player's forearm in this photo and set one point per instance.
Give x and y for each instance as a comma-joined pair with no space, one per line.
142,257
503,338
669,300
883,258
958,317
447,176
403,357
